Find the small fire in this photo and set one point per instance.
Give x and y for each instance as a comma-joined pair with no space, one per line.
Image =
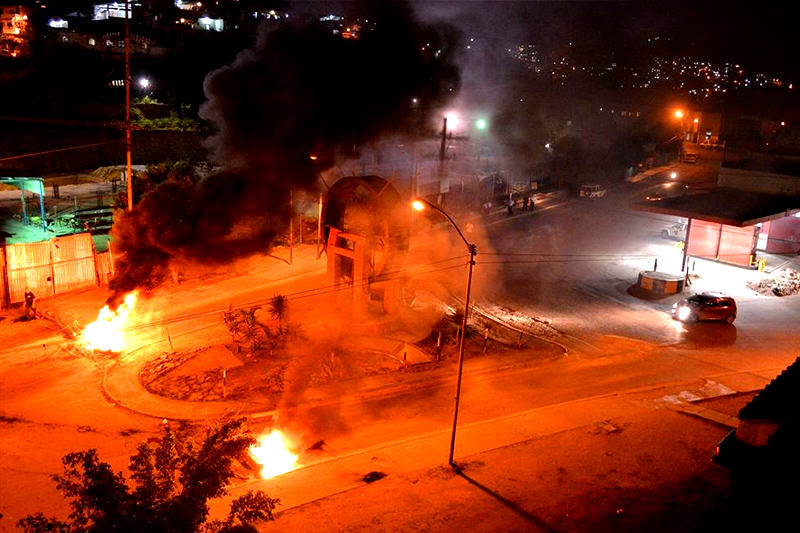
274,455
105,333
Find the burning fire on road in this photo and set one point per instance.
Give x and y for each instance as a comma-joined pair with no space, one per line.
105,333
273,454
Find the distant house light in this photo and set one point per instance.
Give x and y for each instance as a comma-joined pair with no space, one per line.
111,10
207,23
58,22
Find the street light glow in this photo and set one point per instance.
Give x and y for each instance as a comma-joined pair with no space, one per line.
144,83
673,175
452,120
418,205
678,114
481,124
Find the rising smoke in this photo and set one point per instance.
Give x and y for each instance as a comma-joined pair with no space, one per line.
299,91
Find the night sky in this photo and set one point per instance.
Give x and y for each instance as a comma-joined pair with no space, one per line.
717,31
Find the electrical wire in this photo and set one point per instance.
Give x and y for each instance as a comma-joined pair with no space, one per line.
308,293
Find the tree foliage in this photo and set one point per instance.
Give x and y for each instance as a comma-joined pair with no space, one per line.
278,307
178,172
251,335
246,330
172,482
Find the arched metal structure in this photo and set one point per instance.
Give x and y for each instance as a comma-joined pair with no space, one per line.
366,230
371,207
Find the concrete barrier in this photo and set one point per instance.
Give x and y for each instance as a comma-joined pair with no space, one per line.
660,282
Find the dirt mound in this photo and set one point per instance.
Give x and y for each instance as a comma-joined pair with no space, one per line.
784,282
107,173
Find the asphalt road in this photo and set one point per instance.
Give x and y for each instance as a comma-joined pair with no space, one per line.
569,262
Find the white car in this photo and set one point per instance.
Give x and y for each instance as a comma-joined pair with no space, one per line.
675,231
592,190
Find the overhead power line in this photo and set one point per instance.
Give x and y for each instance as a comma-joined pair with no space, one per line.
57,150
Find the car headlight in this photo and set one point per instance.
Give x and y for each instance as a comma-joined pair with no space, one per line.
684,312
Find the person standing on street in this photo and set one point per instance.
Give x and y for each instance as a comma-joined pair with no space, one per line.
510,204
30,309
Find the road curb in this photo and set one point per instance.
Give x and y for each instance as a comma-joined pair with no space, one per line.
175,409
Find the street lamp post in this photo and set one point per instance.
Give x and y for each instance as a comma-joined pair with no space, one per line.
679,116
419,205
128,165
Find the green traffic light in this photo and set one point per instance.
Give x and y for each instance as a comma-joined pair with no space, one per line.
481,124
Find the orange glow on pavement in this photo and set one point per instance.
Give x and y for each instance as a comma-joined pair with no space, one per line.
105,333
274,454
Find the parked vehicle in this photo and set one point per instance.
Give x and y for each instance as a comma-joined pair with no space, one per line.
654,197
705,306
690,157
592,190
675,231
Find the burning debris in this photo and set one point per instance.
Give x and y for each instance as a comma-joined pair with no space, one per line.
273,454
105,334
784,282
288,98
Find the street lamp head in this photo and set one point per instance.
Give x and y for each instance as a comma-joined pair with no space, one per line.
418,205
481,124
678,113
673,175
452,120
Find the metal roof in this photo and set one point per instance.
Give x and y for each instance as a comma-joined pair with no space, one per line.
723,205
780,398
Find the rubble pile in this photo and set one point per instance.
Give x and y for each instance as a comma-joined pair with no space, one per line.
516,319
784,282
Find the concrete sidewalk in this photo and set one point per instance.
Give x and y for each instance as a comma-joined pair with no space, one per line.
507,442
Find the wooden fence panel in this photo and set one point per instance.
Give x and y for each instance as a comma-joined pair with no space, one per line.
73,262
105,267
29,265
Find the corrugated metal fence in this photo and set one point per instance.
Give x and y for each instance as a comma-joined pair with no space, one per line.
51,267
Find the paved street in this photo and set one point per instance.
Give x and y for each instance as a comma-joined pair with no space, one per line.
628,370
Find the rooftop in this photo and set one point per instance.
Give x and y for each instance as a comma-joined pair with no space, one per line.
779,399
723,205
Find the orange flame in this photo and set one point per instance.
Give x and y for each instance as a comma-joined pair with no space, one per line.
105,333
274,454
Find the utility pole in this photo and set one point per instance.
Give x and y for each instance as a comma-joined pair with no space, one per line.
686,245
320,239
291,224
473,250
129,174
444,140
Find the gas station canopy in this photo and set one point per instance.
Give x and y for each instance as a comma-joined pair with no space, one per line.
733,207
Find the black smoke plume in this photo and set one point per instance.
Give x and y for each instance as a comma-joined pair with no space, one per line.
300,91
